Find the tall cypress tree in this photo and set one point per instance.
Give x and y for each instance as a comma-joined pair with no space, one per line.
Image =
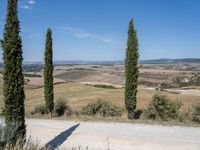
13,87
48,73
131,71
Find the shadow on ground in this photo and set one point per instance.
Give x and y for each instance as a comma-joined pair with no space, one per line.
61,138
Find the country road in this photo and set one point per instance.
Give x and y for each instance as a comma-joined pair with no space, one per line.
112,136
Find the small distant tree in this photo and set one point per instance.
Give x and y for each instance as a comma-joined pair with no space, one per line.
13,87
131,71
48,73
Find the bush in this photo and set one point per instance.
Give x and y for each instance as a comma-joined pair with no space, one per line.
101,108
40,109
196,113
162,108
8,135
61,108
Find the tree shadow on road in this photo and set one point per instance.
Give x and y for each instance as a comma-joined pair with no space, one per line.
60,139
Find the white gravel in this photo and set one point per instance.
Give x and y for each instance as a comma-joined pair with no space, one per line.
112,136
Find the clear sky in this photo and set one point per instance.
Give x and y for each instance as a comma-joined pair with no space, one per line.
97,29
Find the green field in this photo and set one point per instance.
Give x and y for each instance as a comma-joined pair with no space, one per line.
74,75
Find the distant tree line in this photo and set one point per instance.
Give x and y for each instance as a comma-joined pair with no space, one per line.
27,67
32,67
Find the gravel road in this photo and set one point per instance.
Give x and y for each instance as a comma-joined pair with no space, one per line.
112,136
66,135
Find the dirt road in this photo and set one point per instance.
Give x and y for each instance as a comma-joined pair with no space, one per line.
112,136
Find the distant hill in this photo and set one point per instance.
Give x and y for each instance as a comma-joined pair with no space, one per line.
170,61
78,62
153,61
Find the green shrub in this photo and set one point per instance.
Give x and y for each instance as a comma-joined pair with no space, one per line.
101,108
40,109
8,135
196,113
62,108
162,108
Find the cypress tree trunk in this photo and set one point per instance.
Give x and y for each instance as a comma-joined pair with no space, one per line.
48,73
13,87
131,71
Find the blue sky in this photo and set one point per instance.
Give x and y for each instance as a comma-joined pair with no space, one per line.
97,30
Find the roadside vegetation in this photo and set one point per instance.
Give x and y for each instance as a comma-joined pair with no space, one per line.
102,108
196,113
8,140
162,108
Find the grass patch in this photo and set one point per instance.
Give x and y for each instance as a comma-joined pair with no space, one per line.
74,75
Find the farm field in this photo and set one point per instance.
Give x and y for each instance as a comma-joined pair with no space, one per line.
79,95
76,85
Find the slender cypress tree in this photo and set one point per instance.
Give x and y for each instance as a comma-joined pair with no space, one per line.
13,77
131,71
48,73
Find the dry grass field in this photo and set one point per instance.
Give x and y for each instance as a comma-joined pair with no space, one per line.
79,95
70,85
